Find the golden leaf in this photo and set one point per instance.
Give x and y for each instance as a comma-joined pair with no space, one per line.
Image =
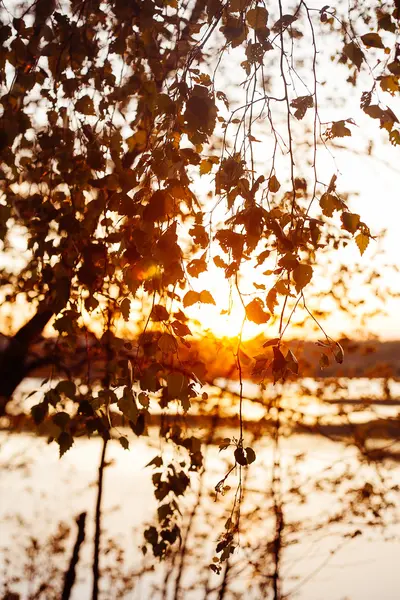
257,17
302,275
273,184
362,242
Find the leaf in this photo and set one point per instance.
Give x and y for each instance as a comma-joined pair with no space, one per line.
185,403
65,442
231,241
206,166
375,112
151,535
372,40
199,235
338,353
160,206
61,419
144,400
301,104
68,388
85,106
191,298
176,383
125,308
323,344
302,276
282,288
137,141
390,83
354,54
273,184
350,221
283,22
278,364
52,397
255,312
127,406
139,427
206,298
324,361
257,18
181,329
362,242
272,342
167,343
292,363
338,129
219,262
272,300
156,462
394,67
124,442
385,22
200,114
196,267
238,5
240,457
39,412
329,203
244,358
263,256
394,138
159,313
225,444
250,455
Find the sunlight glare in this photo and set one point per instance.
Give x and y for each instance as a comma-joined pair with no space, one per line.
227,318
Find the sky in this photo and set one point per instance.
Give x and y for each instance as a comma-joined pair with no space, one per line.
367,167
372,180
375,182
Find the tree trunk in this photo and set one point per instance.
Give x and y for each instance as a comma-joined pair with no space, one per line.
13,359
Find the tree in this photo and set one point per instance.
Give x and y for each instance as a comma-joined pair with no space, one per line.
110,113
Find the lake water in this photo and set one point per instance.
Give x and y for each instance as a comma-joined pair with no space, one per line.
323,558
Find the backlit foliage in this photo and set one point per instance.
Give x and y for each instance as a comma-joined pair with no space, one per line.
111,112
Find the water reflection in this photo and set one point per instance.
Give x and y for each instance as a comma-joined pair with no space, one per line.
338,522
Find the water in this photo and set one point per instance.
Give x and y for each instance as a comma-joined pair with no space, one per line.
323,507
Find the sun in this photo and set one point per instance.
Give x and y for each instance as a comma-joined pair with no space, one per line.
225,319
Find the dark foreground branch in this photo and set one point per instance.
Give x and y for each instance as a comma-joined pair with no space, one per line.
70,575
97,533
